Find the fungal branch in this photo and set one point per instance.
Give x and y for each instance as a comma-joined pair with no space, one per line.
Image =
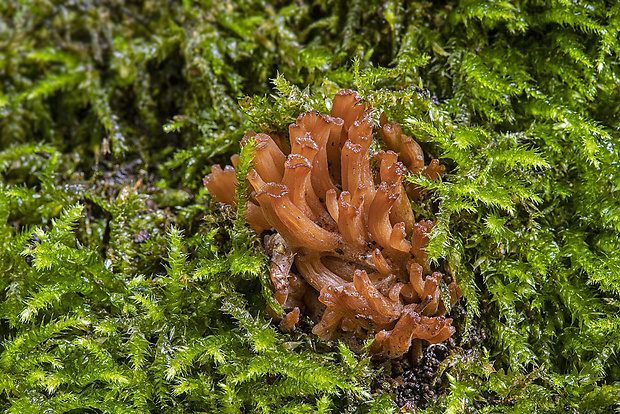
345,247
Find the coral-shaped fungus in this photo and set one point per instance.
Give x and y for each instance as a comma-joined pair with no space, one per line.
345,233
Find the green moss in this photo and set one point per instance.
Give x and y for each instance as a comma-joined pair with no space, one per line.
123,288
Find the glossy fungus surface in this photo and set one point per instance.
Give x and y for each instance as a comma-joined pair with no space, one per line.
347,250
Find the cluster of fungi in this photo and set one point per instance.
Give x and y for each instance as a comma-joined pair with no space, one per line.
347,251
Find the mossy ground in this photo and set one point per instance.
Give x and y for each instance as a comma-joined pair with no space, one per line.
123,288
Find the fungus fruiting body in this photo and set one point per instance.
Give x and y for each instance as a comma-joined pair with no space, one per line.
347,250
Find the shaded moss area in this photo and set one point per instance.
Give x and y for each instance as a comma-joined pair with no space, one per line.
124,288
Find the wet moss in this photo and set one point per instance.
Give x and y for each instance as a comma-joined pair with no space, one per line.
125,289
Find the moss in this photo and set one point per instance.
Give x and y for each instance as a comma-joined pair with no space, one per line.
124,289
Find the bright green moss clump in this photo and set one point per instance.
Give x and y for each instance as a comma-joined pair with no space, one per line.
124,289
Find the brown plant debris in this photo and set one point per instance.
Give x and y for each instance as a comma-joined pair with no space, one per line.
345,232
